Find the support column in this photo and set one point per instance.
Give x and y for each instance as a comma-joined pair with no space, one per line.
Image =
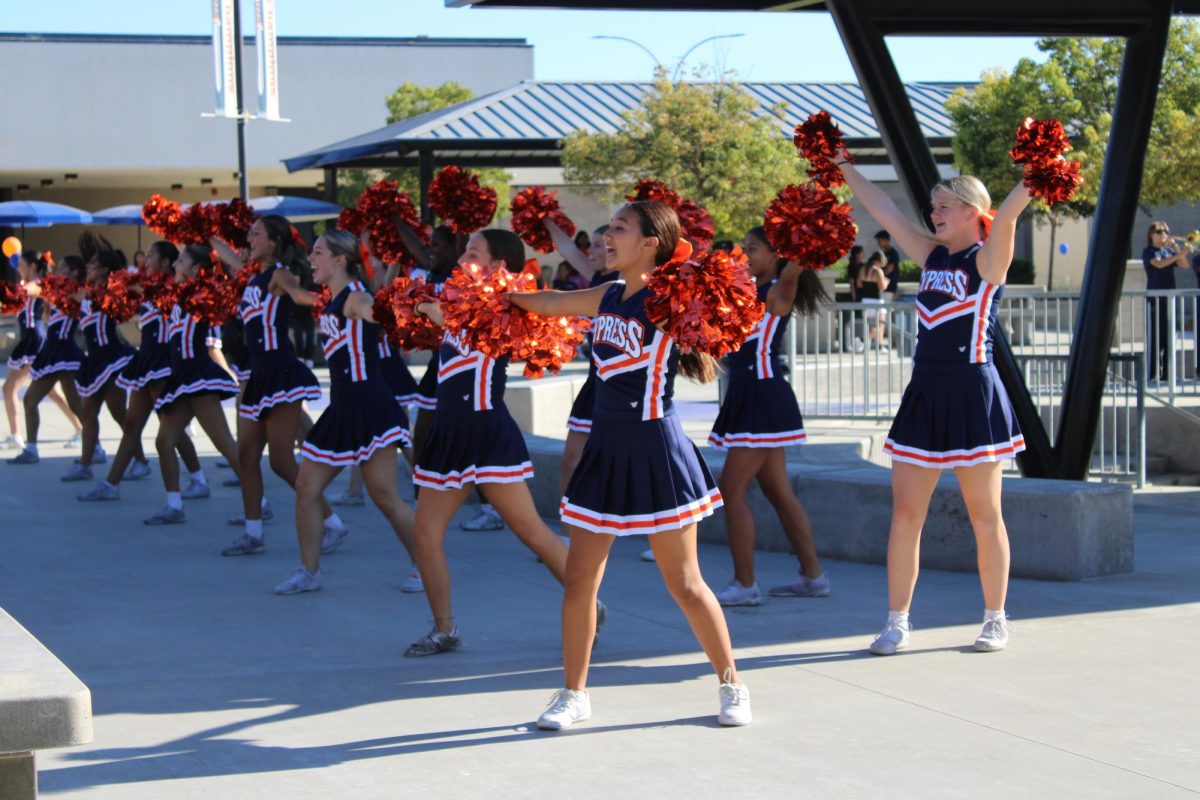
425,176
915,164
331,188
18,776
1104,273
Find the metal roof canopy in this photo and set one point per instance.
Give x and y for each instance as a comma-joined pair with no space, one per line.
524,125
1144,24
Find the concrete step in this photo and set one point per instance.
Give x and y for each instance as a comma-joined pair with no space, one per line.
1158,465
1172,479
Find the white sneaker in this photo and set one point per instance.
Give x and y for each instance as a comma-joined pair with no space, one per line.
803,587
74,441
413,583
332,538
196,490
734,594
488,520
567,707
136,471
13,442
735,703
994,636
300,580
891,639
648,555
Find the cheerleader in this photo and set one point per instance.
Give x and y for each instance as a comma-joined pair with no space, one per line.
195,389
758,419
270,408
954,413
55,365
638,473
107,355
474,441
31,327
144,379
363,423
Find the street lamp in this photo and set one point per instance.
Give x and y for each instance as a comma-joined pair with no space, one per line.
688,52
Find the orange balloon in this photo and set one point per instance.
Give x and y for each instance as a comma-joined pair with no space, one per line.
12,246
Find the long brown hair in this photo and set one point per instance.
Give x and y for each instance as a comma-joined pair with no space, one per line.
660,221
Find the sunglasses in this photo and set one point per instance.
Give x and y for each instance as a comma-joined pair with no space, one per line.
1159,230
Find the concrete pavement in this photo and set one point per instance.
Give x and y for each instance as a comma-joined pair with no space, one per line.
205,684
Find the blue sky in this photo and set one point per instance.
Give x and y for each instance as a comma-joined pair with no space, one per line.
774,47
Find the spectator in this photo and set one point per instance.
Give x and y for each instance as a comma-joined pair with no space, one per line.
139,259
568,279
583,241
891,267
1160,257
853,266
724,245
871,281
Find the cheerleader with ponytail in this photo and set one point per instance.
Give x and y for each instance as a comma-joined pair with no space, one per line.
638,473
57,356
363,424
759,417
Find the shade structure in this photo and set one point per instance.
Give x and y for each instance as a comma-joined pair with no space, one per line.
119,215
38,213
296,209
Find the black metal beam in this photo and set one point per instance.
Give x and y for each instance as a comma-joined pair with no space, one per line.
425,178
413,162
901,132
1104,273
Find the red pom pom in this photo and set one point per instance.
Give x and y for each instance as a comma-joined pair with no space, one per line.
456,196
245,275
210,297
12,297
807,224
709,305
820,141
161,215
697,224
530,207
318,306
473,304
59,291
1039,140
396,310
196,225
160,289
1053,181
118,299
232,223
375,211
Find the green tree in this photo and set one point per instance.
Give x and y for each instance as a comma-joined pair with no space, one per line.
411,100
701,139
1078,84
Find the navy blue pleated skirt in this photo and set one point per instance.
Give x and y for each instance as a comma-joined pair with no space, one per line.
152,362
580,418
466,446
954,416
758,413
57,355
276,378
401,382
361,418
100,366
24,353
196,376
639,477
426,396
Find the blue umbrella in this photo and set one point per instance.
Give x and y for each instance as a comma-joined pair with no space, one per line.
119,215
39,214
296,209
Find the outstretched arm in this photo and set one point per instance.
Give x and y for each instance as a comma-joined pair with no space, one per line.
553,303
914,240
284,282
997,252
412,243
227,254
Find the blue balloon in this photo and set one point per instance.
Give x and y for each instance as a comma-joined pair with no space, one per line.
1062,248
15,260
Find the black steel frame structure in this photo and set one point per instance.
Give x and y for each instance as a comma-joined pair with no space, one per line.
1144,24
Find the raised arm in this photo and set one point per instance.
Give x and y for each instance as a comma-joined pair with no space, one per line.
566,248
553,303
227,254
412,243
782,296
997,252
284,282
914,240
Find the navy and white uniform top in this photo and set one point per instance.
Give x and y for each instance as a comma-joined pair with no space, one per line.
469,380
351,346
29,318
60,326
761,356
153,325
99,329
956,308
635,361
189,336
266,315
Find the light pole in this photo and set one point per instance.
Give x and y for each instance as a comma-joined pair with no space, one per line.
688,52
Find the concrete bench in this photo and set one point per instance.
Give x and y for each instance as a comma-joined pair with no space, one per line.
1059,530
42,705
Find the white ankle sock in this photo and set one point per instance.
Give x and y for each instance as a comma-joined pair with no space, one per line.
897,618
334,521
175,500
989,614
198,477
254,528
264,502
31,447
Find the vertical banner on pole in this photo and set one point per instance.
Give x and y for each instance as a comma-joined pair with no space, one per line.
268,62
224,58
